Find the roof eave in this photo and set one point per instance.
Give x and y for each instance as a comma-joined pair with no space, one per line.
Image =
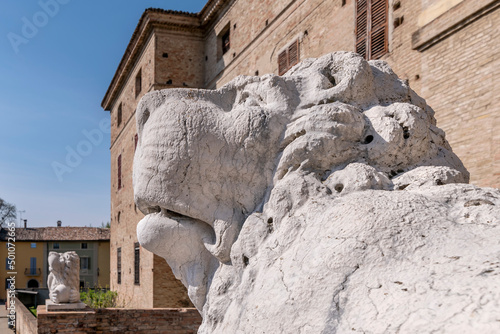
137,43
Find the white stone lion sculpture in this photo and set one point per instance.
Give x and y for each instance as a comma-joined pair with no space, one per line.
64,278
323,201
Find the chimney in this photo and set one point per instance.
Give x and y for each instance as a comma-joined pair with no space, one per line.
59,223
25,223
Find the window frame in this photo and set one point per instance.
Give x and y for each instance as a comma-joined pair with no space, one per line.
32,265
119,172
372,28
119,265
119,114
89,263
137,263
224,41
138,83
289,57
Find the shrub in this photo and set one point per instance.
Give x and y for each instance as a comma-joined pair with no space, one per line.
99,298
33,310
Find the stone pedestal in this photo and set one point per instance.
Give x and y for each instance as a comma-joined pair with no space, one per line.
51,306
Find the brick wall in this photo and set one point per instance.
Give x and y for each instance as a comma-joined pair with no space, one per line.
461,81
167,290
26,322
322,26
458,76
124,213
142,321
185,62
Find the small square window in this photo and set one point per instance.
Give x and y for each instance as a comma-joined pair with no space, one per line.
84,245
33,245
55,245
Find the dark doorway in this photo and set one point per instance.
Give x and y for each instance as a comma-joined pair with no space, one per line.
33,283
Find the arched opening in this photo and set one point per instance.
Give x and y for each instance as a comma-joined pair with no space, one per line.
33,283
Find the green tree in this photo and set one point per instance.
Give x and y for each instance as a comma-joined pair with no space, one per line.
7,212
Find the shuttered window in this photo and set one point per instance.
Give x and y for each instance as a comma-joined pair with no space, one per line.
138,83
119,115
371,28
119,171
137,262
288,58
33,266
119,265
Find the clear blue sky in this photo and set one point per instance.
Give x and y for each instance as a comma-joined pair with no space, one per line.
55,67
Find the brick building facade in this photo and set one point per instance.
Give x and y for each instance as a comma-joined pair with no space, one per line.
446,49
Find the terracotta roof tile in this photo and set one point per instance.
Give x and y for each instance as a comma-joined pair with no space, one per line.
64,233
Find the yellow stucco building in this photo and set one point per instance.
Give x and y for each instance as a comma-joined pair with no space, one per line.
24,255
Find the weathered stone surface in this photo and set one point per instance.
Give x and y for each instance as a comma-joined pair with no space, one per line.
322,201
64,278
68,307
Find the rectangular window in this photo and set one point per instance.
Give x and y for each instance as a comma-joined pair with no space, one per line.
33,266
136,263
138,83
84,245
85,263
119,115
371,28
119,265
55,245
288,58
33,245
226,41
119,172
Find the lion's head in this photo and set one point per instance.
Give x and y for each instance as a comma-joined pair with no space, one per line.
206,160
